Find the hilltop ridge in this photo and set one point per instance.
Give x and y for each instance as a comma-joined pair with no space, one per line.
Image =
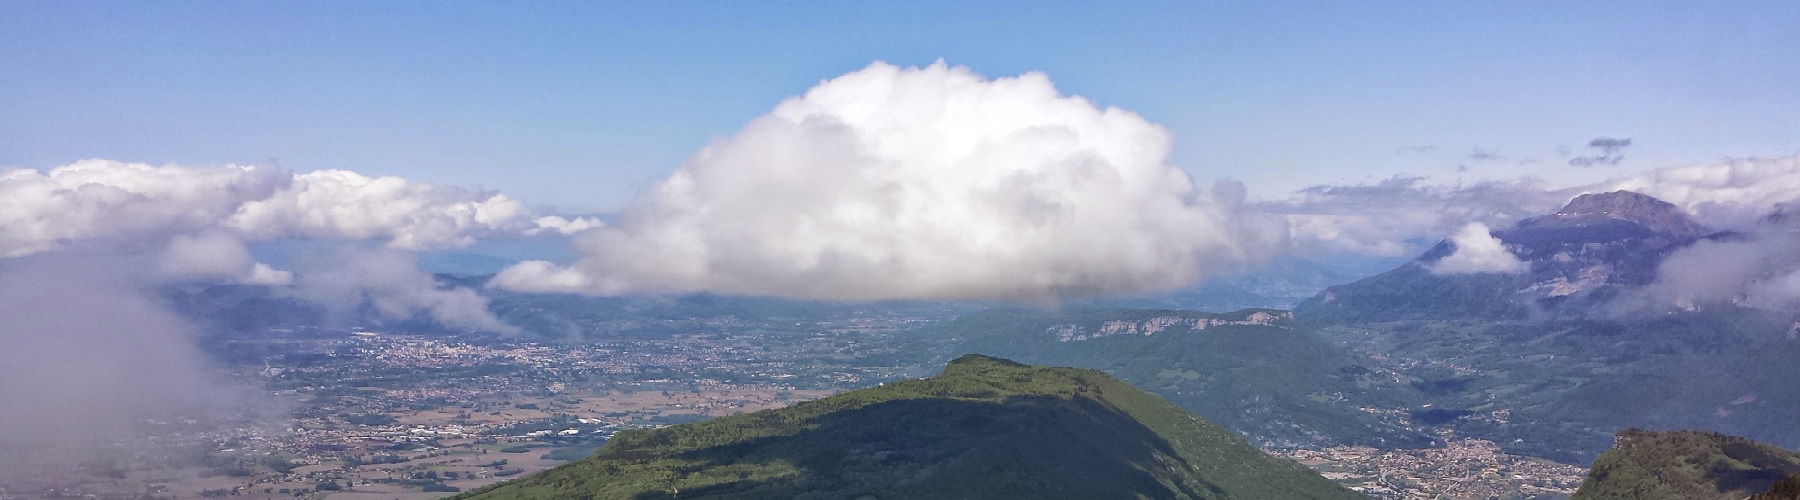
1690,465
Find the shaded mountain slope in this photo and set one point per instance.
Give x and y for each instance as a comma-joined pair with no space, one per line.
1751,393
985,428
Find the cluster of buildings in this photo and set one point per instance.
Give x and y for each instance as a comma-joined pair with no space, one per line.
1463,468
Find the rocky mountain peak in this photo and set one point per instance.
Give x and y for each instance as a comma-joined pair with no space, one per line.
1616,202
1653,213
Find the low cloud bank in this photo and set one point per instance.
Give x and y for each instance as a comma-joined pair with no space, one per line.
1402,216
1752,267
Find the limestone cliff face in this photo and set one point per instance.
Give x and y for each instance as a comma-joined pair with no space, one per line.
1076,332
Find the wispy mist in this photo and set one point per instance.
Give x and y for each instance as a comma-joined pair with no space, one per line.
83,353
388,282
1402,216
1753,267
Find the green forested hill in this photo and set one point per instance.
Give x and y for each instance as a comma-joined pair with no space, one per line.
985,428
1690,465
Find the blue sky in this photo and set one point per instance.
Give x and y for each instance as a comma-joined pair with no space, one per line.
580,105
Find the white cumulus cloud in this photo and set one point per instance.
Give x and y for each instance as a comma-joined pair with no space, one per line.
340,204
930,182
1476,250
121,202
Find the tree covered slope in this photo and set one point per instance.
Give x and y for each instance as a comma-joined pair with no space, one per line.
1690,465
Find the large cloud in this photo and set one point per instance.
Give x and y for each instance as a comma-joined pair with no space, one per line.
928,182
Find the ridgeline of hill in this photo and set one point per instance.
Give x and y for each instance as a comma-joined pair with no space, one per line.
1691,465
984,428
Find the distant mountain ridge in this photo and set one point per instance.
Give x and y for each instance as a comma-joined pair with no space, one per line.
984,428
1595,247
1279,283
